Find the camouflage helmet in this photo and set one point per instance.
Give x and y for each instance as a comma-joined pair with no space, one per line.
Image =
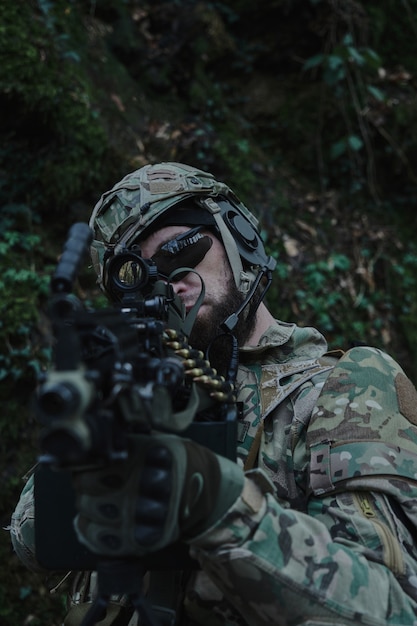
150,198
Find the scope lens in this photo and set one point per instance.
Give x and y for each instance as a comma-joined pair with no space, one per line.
130,274
127,273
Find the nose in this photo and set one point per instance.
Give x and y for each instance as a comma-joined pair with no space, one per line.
187,290
180,286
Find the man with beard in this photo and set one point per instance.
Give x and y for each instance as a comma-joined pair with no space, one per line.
315,523
222,297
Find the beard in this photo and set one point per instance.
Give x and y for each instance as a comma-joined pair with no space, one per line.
208,336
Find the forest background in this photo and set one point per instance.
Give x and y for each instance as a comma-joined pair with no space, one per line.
306,108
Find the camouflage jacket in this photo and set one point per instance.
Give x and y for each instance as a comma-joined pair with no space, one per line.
299,555
286,553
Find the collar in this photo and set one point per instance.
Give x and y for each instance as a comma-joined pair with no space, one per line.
285,341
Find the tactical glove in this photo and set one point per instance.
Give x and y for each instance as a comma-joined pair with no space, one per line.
169,488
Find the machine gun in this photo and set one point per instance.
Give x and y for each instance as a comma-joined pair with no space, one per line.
118,371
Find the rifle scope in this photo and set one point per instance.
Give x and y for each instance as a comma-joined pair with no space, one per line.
128,273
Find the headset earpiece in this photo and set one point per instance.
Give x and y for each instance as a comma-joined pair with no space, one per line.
248,241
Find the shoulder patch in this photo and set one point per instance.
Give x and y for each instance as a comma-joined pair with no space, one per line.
407,397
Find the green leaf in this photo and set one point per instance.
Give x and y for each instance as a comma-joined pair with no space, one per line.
340,262
373,60
72,56
376,93
337,149
313,62
356,56
355,142
334,61
24,592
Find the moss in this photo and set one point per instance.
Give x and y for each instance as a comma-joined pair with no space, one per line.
46,92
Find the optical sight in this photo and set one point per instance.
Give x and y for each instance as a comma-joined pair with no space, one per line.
128,273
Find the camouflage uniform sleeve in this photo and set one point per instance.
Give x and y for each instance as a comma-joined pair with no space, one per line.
332,564
22,527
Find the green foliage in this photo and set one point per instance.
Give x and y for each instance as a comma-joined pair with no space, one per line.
349,73
22,290
24,352
324,300
307,109
394,28
366,294
402,287
25,347
336,64
56,147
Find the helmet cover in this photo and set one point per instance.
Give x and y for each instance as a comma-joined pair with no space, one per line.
145,199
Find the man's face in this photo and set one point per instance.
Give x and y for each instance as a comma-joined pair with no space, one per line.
221,299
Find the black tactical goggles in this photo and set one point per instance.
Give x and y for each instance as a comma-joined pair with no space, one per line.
185,250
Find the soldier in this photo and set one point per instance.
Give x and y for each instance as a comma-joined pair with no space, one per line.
316,523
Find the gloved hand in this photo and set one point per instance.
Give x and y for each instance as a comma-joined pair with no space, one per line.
168,488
